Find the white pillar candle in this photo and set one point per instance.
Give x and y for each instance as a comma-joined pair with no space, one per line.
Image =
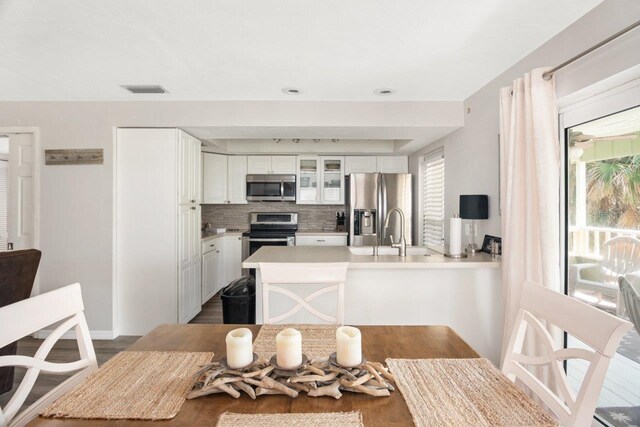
348,346
289,348
239,348
455,235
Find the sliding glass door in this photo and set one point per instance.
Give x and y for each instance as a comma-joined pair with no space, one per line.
602,235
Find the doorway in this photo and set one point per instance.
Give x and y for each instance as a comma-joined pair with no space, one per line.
19,190
602,234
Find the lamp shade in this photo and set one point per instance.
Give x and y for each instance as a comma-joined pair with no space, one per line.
474,206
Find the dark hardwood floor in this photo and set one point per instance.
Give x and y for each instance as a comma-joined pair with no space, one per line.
67,351
211,311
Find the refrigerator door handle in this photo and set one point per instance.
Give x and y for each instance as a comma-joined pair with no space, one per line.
383,208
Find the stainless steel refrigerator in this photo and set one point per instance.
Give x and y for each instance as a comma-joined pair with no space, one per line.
370,196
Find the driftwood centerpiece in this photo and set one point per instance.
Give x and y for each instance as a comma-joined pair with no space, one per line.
316,378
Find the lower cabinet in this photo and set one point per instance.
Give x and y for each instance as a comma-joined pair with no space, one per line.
221,264
232,259
211,269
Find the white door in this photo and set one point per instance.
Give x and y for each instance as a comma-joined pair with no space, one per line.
20,204
237,179
215,178
332,182
184,168
283,164
393,164
220,275
195,291
208,275
258,164
233,258
360,164
195,171
308,180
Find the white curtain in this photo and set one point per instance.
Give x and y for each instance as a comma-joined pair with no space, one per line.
530,186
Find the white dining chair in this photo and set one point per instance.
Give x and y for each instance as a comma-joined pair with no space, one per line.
596,328
31,315
331,275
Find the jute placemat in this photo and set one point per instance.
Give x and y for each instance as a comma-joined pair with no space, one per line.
326,419
317,340
464,392
141,385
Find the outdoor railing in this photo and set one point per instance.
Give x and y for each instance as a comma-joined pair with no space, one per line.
586,241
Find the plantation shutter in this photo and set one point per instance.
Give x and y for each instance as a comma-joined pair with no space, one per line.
433,199
4,195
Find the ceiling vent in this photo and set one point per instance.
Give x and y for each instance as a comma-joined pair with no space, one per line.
145,89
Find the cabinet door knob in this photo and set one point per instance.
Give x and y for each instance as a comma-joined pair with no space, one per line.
193,208
193,201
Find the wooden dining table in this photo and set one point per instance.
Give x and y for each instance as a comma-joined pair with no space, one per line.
378,343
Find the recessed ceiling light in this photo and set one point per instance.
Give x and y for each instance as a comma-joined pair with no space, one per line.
291,90
385,91
144,88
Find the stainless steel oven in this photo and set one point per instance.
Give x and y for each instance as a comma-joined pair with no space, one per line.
271,188
269,229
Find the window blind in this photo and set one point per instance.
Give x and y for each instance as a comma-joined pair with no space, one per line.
4,195
433,198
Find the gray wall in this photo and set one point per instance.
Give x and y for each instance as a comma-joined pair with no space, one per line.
471,153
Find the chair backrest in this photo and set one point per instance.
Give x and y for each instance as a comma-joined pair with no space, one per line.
19,269
620,256
26,317
332,275
631,299
596,328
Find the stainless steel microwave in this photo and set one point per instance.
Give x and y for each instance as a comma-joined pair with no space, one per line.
271,188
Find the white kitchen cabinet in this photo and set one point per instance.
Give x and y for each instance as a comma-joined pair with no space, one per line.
332,190
321,240
393,164
232,258
215,178
360,164
284,165
211,267
237,179
320,180
158,265
224,179
258,164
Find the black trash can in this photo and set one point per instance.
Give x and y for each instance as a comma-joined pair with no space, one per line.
239,301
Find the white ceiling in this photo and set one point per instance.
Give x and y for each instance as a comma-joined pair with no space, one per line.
251,49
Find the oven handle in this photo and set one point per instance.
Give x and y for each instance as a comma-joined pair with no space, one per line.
280,239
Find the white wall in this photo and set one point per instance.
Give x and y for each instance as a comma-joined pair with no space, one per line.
471,153
77,201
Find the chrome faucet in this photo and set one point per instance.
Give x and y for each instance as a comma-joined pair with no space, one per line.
402,243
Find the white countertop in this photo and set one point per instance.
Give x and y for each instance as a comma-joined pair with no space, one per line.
311,254
320,233
207,235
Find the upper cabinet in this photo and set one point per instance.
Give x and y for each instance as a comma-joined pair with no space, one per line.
237,179
320,180
224,179
371,164
360,164
271,164
392,164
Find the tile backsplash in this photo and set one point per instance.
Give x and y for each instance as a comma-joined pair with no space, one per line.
310,217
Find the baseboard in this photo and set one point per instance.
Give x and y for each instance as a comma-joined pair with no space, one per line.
71,335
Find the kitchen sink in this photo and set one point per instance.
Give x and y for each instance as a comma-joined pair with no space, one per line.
387,250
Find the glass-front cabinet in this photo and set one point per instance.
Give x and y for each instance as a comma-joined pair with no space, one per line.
320,180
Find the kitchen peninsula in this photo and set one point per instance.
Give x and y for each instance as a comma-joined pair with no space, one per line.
423,288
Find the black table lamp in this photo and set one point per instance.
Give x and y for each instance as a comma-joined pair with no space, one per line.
473,207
